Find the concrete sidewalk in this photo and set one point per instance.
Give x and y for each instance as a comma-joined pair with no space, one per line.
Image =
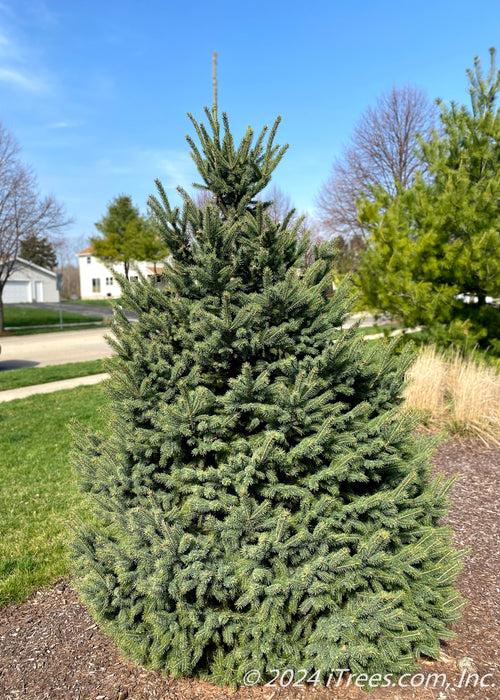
49,387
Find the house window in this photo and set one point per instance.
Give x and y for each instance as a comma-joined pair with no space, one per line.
109,281
88,259
96,285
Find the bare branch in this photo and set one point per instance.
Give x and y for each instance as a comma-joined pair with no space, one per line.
23,212
383,150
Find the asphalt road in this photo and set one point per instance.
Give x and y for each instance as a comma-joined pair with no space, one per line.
44,349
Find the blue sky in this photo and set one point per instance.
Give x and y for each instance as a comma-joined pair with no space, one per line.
97,92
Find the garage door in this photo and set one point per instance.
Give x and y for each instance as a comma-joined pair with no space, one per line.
16,292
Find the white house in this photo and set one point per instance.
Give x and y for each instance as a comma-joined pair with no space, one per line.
97,281
29,282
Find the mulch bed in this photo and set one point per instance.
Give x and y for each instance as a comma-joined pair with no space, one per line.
50,648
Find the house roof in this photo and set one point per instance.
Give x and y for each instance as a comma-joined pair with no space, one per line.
36,267
86,251
159,269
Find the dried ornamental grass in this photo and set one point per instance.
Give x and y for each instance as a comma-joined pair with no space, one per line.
474,390
426,387
460,394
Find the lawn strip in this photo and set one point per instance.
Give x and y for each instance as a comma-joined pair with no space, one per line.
20,316
29,376
38,493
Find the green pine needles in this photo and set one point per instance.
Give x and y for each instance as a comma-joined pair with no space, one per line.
260,501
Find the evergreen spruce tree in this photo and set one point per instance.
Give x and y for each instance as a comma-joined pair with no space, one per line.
260,501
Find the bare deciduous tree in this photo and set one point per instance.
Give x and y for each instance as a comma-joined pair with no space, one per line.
67,256
202,197
281,205
23,212
381,151
71,281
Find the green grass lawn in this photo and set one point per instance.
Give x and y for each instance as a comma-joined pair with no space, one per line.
92,302
27,330
27,376
38,494
99,302
14,316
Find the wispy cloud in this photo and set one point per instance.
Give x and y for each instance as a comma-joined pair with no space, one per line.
9,49
171,167
177,168
65,125
109,166
23,81
22,68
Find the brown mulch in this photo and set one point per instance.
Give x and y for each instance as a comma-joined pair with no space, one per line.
50,648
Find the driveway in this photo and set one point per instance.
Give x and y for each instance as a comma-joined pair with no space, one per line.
45,349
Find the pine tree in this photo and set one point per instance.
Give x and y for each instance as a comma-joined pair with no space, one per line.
260,500
433,254
39,250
